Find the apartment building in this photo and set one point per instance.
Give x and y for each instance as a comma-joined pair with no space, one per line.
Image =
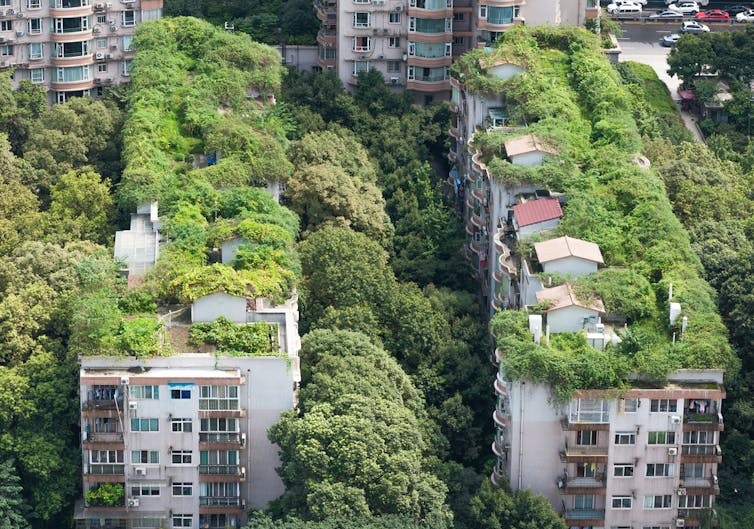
71,47
642,457
413,43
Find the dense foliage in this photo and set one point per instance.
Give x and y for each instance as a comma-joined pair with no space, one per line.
236,340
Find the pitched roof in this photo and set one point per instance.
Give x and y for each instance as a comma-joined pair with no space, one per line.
563,247
536,211
526,144
563,296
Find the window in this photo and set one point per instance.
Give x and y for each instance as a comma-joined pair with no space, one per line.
621,502
628,405
394,42
588,410
146,523
74,74
182,520
698,438
36,50
180,425
585,470
180,394
659,470
360,66
6,25
661,438
4,3
145,457
145,490
658,502
151,14
218,457
106,456
102,43
37,75
663,405
126,68
693,470
218,397
101,18
583,502
181,457
362,44
360,1
655,527
393,66
138,392
458,41
34,4
129,18
145,425
623,470
458,16
693,502
128,42
102,67
586,437
34,25
183,489
6,51
625,438
216,521
218,430
361,20
483,11
395,18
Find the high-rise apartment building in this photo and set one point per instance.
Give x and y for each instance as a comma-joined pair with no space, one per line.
71,47
413,43
643,456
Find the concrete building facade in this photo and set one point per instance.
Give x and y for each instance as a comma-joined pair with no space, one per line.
71,47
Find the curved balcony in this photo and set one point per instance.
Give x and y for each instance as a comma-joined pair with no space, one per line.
469,201
499,301
82,60
504,3
478,194
500,420
498,355
497,449
452,157
327,37
430,13
455,82
453,105
430,62
484,25
500,387
477,248
72,36
324,63
428,86
506,266
455,132
476,162
327,14
78,11
73,86
477,221
431,38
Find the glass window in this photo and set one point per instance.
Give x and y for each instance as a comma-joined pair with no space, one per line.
101,18
219,397
34,4
629,405
393,66
129,18
394,42
102,67
37,75
145,490
694,502
395,18
699,438
181,457
6,25
623,470
5,51
658,502
182,520
180,425
663,405
361,20
621,502
625,438
106,456
362,44
659,470
36,50
694,470
145,425
151,14
586,437
183,489
34,25
180,393
145,457
128,42
140,392
583,502
102,43
661,438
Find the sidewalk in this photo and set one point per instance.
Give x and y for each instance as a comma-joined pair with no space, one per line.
691,124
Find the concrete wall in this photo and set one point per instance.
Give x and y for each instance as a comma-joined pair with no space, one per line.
529,159
574,266
529,284
532,229
212,306
302,58
228,249
505,71
568,319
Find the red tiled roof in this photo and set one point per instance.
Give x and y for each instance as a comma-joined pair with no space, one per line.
537,211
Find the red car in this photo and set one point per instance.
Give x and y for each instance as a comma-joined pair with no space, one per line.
713,14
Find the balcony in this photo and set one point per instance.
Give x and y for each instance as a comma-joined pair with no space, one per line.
582,485
500,387
500,24
477,221
702,421
97,469
501,420
102,404
222,472
221,501
455,132
701,454
700,486
327,37
584,454
220,437
701,517
585,517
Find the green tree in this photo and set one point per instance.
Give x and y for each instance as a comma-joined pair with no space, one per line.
12,506
495,508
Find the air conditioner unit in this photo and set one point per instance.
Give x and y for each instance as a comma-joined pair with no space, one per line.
714,479
99,5
19,15
243,439
681,491
140,471
133,405
2,14
394,80
113,28
380,57
20,33
133,502
675,419
399,8
123,380
109,56
111,21
10,12
680,522
3,40
3,64
673,451
243,473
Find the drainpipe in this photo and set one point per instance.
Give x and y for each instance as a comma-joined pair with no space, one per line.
521,437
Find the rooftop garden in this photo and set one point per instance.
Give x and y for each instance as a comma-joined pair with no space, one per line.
204,138
574,100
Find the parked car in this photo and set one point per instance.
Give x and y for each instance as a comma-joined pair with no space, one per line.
666,14
703,3
670,40
622,7
713,14
734,10
746,16
692,26
687,8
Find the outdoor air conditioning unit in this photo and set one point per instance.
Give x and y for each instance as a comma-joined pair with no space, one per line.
243,439
99,5
3,64
20,33
123,380
10,12
394,80
113,28
19,15
96,30
680,522
133,502
681,491
673,451
399,8
675,419
133,405
3,40
2,14
140,471
243,473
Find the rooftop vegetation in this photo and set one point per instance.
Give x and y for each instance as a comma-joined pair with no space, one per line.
575,100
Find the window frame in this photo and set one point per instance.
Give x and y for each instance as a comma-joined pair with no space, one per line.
149,421
181,425
629,436
181,457
182,488
623,467
623,502
145,457
653,500
663,406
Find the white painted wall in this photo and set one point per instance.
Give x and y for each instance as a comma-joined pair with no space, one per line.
228,249
532,229
505,71
574,266
212,306
568,319
529,284
528,159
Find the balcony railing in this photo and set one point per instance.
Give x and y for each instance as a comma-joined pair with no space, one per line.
219,501
111,437
106,469
225,470
219,437
701,450
102,404
585,514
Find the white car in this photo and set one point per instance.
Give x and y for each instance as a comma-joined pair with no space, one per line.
692,26
746,16
686,8
703,3
623,7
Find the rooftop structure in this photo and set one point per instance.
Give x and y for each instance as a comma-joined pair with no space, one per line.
537,211
71,47
565,247
139,246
